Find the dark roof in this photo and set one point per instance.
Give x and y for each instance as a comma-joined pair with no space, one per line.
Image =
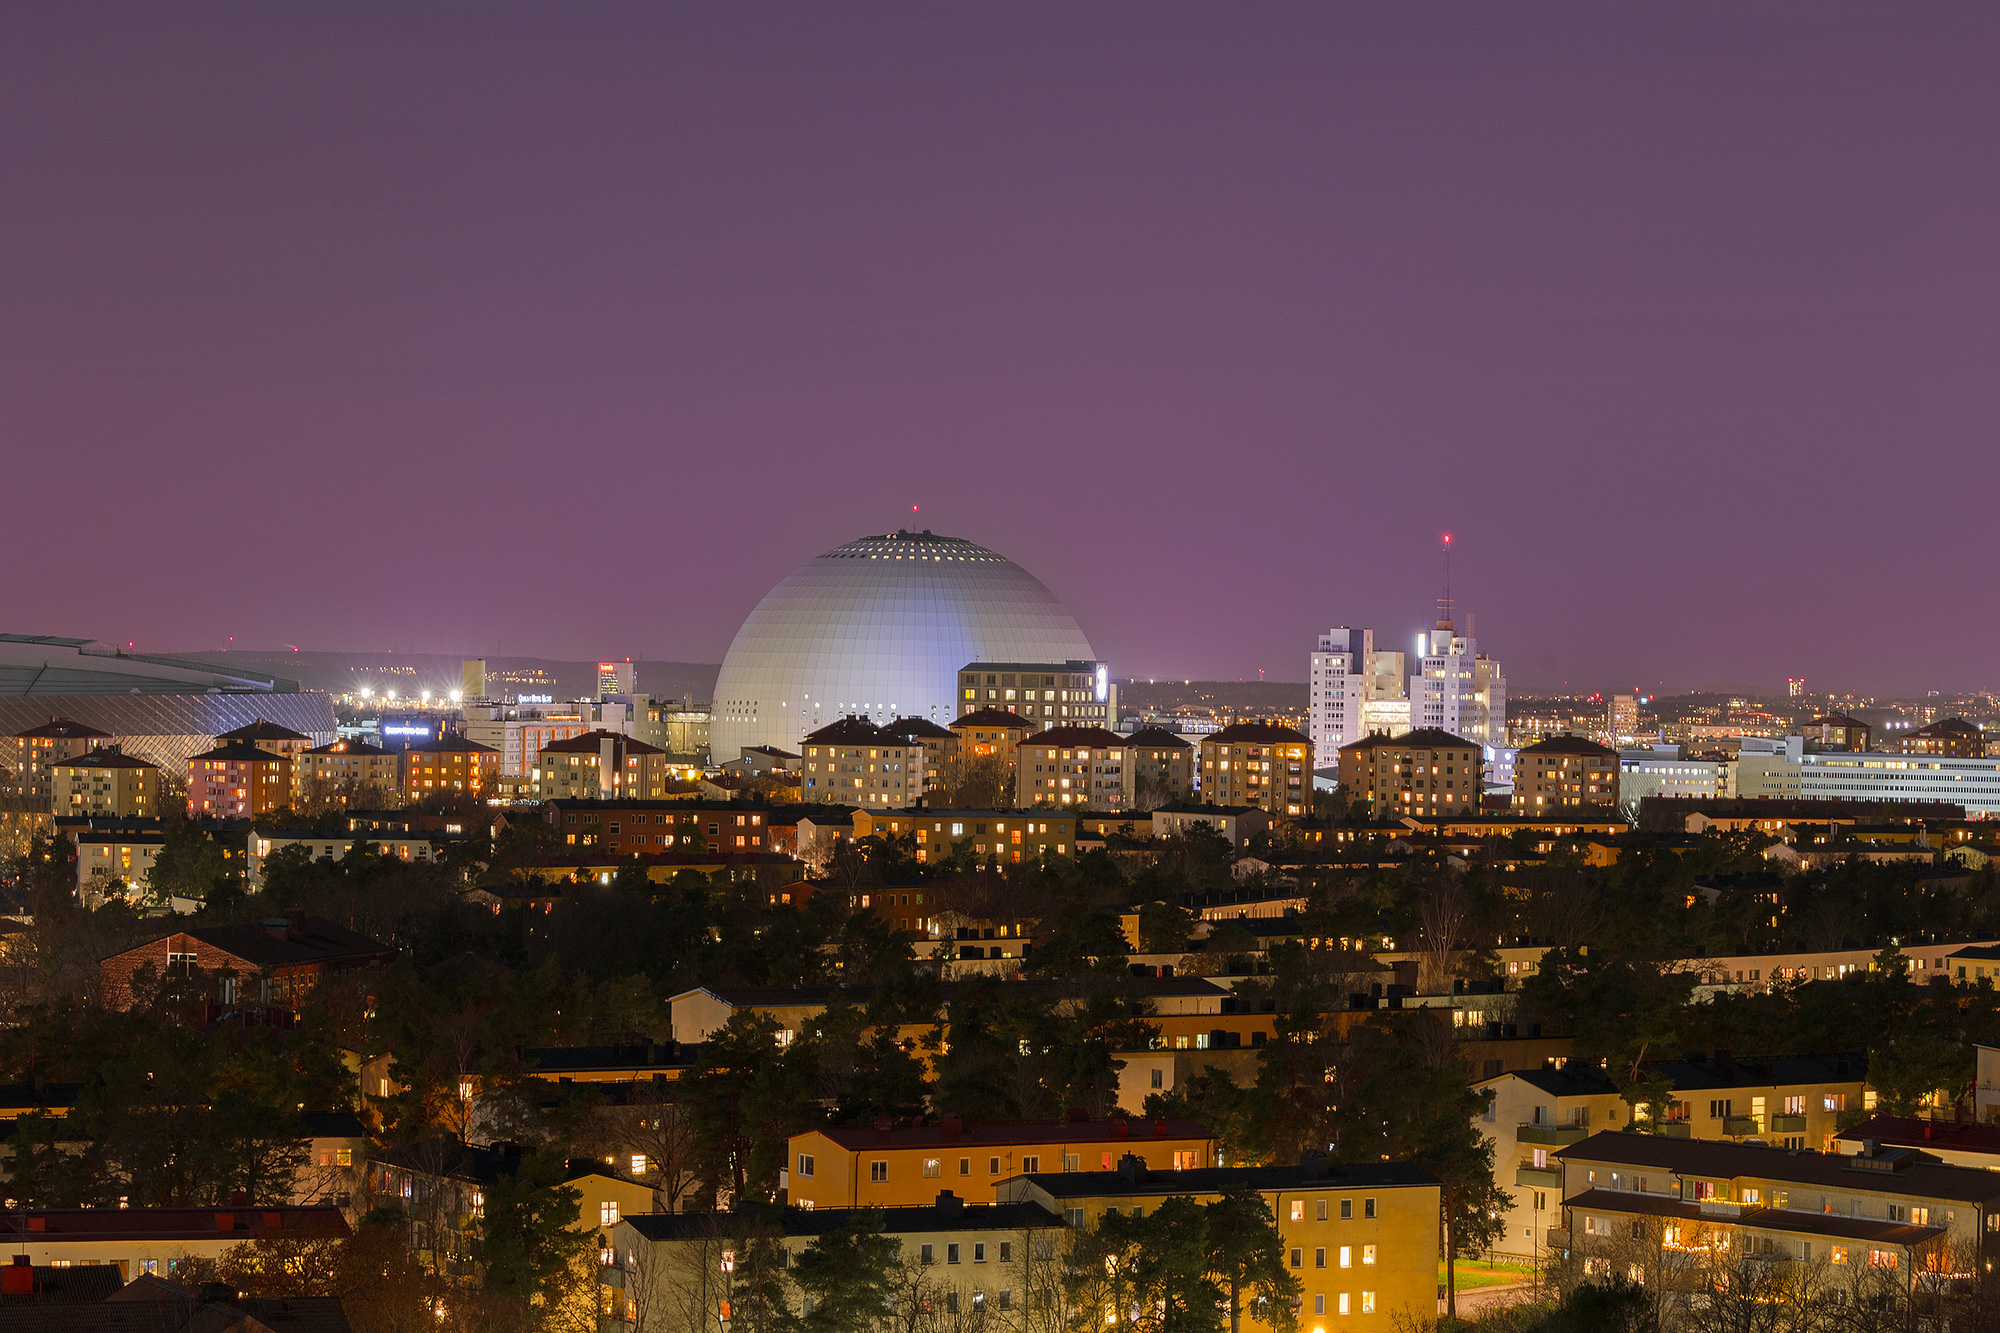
1910,1131
166,1224
333,1125
1836,720
1248,733
1094,737
993,717
1159,738
949,1216
260,730
241,752
583,1059
62,729
1689,1075
917,729
1570,745
976,1134
82,1284
302,940
850,731
1215,1179
1794,1220
1075,666
1951,728
1057,988
105,758
1423,738
444,1158
770,750
1791,810
460,745
348,746
1205,808
1922,1178
1574,1079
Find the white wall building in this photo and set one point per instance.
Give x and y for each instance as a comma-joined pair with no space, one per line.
1867,776
1659,770
1354,691
1768,768
1456,688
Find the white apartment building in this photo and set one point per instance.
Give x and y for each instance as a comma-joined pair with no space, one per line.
1868,776
1354,691
1456,688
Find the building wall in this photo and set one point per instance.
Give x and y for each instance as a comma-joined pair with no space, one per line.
1395,779
1837,776
845,1177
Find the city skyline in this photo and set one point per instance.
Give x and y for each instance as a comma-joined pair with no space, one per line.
1193,315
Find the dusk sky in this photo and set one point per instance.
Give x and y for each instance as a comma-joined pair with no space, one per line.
571,329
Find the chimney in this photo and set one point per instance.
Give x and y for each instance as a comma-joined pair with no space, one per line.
949,1204
1159,1129
952,1124
1132,1167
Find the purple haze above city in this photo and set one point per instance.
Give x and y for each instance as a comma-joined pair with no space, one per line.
570,329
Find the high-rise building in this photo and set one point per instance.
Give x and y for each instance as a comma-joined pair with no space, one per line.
1055,694
1354,692
1795,689
1621,717
615,678
472,678
1456,688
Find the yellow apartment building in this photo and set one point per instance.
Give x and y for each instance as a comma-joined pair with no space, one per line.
1263,764
1361,1239
105,782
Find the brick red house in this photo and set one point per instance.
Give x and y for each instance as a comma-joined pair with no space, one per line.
267,967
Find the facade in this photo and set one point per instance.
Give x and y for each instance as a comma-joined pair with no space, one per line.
983,1266
105,781
1563,772
616,678
1660,771
238,781
1362,1238
1236,823
345,769
37,748
1261,764
1621,719
1075,765
600,765
1426,774
1832,775
1659,1203
1794,1101
105,857
1954,738
1458,689
1353,691
1837,731
854,762
263,843
990,732
156,1242
519,733
1053,694
879,628
846,1166
1010,835
940,746
1162,765
273,966
632,828
1769,770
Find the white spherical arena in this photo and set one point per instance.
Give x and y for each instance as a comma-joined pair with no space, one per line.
880,628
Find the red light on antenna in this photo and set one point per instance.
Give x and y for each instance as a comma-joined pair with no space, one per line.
1447,539
913,509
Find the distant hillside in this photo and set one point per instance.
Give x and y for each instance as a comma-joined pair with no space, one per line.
1240,697
413,673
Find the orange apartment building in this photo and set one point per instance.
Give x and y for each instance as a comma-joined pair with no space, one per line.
238,781
846,1166
448,766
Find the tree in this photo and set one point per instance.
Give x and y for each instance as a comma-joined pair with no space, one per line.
1171,1271
1164,927
1245,1253
528,1233
846,1277
190,863
976,782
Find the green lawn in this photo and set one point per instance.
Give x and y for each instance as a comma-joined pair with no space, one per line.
1476,1273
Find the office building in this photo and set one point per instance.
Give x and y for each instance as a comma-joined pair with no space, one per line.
1831,775
1659,770
1051,694
472,679
106,781
1361,1238
879,628
1621,719
238,781
520,731
1456,688
1353,691
616,678
855,762
1263,764
1564,774
1769,768
1425,774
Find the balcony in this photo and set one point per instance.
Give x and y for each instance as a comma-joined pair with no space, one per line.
1676,1129
1553,1135
1537,1178
1788,1124
1736,1126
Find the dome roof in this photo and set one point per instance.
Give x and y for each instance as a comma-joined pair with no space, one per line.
879,628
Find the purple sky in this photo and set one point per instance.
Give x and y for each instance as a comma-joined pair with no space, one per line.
570,329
